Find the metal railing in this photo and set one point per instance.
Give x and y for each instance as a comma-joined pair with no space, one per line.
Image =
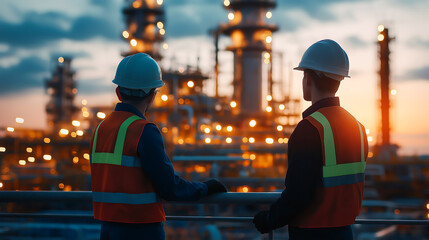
222,198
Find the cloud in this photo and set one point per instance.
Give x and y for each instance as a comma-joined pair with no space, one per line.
418,42
28,73
421,73
356,41
94,86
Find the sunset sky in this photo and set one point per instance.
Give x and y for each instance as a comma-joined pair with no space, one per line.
35,33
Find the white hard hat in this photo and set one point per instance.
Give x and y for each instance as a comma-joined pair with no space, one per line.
327,57
138,71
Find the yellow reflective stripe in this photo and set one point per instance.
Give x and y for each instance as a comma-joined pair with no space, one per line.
344,169
328,139
114,158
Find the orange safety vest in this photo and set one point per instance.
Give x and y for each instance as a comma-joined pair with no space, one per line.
339,201
121,190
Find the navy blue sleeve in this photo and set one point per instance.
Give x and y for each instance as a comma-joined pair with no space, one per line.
304,175
158,167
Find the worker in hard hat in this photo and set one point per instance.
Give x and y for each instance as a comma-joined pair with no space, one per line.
327,155
131,173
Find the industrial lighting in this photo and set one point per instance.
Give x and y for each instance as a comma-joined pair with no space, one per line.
245,140
10,129
165,46
269,98
370,154
73,134
164,129
160,25
279,128
61,185
84,102
137,4
251,140
233,104
85,114
2,149
133,42
75,160
370,139
218,127
393,92
252,157
29,150
22,162
269,109
266,60
31,159
159,2
380,28
47,140
229,129
180,141
86,156
285,140
427,206
269,15
1,185
181,69
282,107
367,131
228,140
226,3
245,189
162,31
268,39
79,133
230,16
19,120
280,140
252,123
63,131
84,109
191,84
47,157
207,130
101,115
267,55
380,37
269,140
60,59
207,140
164,98
125,34
76,123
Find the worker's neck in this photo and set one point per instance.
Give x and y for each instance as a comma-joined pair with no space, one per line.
317,96
141,106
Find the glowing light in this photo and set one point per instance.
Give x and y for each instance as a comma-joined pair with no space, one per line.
207,140
245,189
75,160
29,150
164,129
370,139
282,107
226,3
84,102
269,98
229,129
393,92
164,98
269,15
31,159
251,139
218,127
268,39
180,141
165,46
79,133
84,109
181,69
86,156
279,128
397,211
73,134
101,115
2,149
181,101
85,114
159,2
190,84
230,16
280,140
370,154
75,123
200,169
60,59
137,4
162,31
61,185
47,140
74,91
133,42
207,130
266,60
47,157
1,185
252,123
427,206
269,109
228,140
125,34
22,162
10,129
19,120
380,28
367,131
245,140
252,157
380,37
64,131
233,104
285,140
160,25
267,55
428,215
269,140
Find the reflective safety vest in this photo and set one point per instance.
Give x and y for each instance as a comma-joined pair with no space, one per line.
121,190
339,201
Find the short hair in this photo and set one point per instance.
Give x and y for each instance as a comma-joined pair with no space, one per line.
134,95
323,83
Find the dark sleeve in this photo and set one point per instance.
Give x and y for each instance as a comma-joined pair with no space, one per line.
304,175
158,167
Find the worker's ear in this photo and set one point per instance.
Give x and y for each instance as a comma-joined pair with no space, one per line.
118,94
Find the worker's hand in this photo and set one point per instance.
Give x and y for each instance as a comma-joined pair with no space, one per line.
261,222
214,186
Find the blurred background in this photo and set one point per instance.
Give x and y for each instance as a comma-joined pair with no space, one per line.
230,103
